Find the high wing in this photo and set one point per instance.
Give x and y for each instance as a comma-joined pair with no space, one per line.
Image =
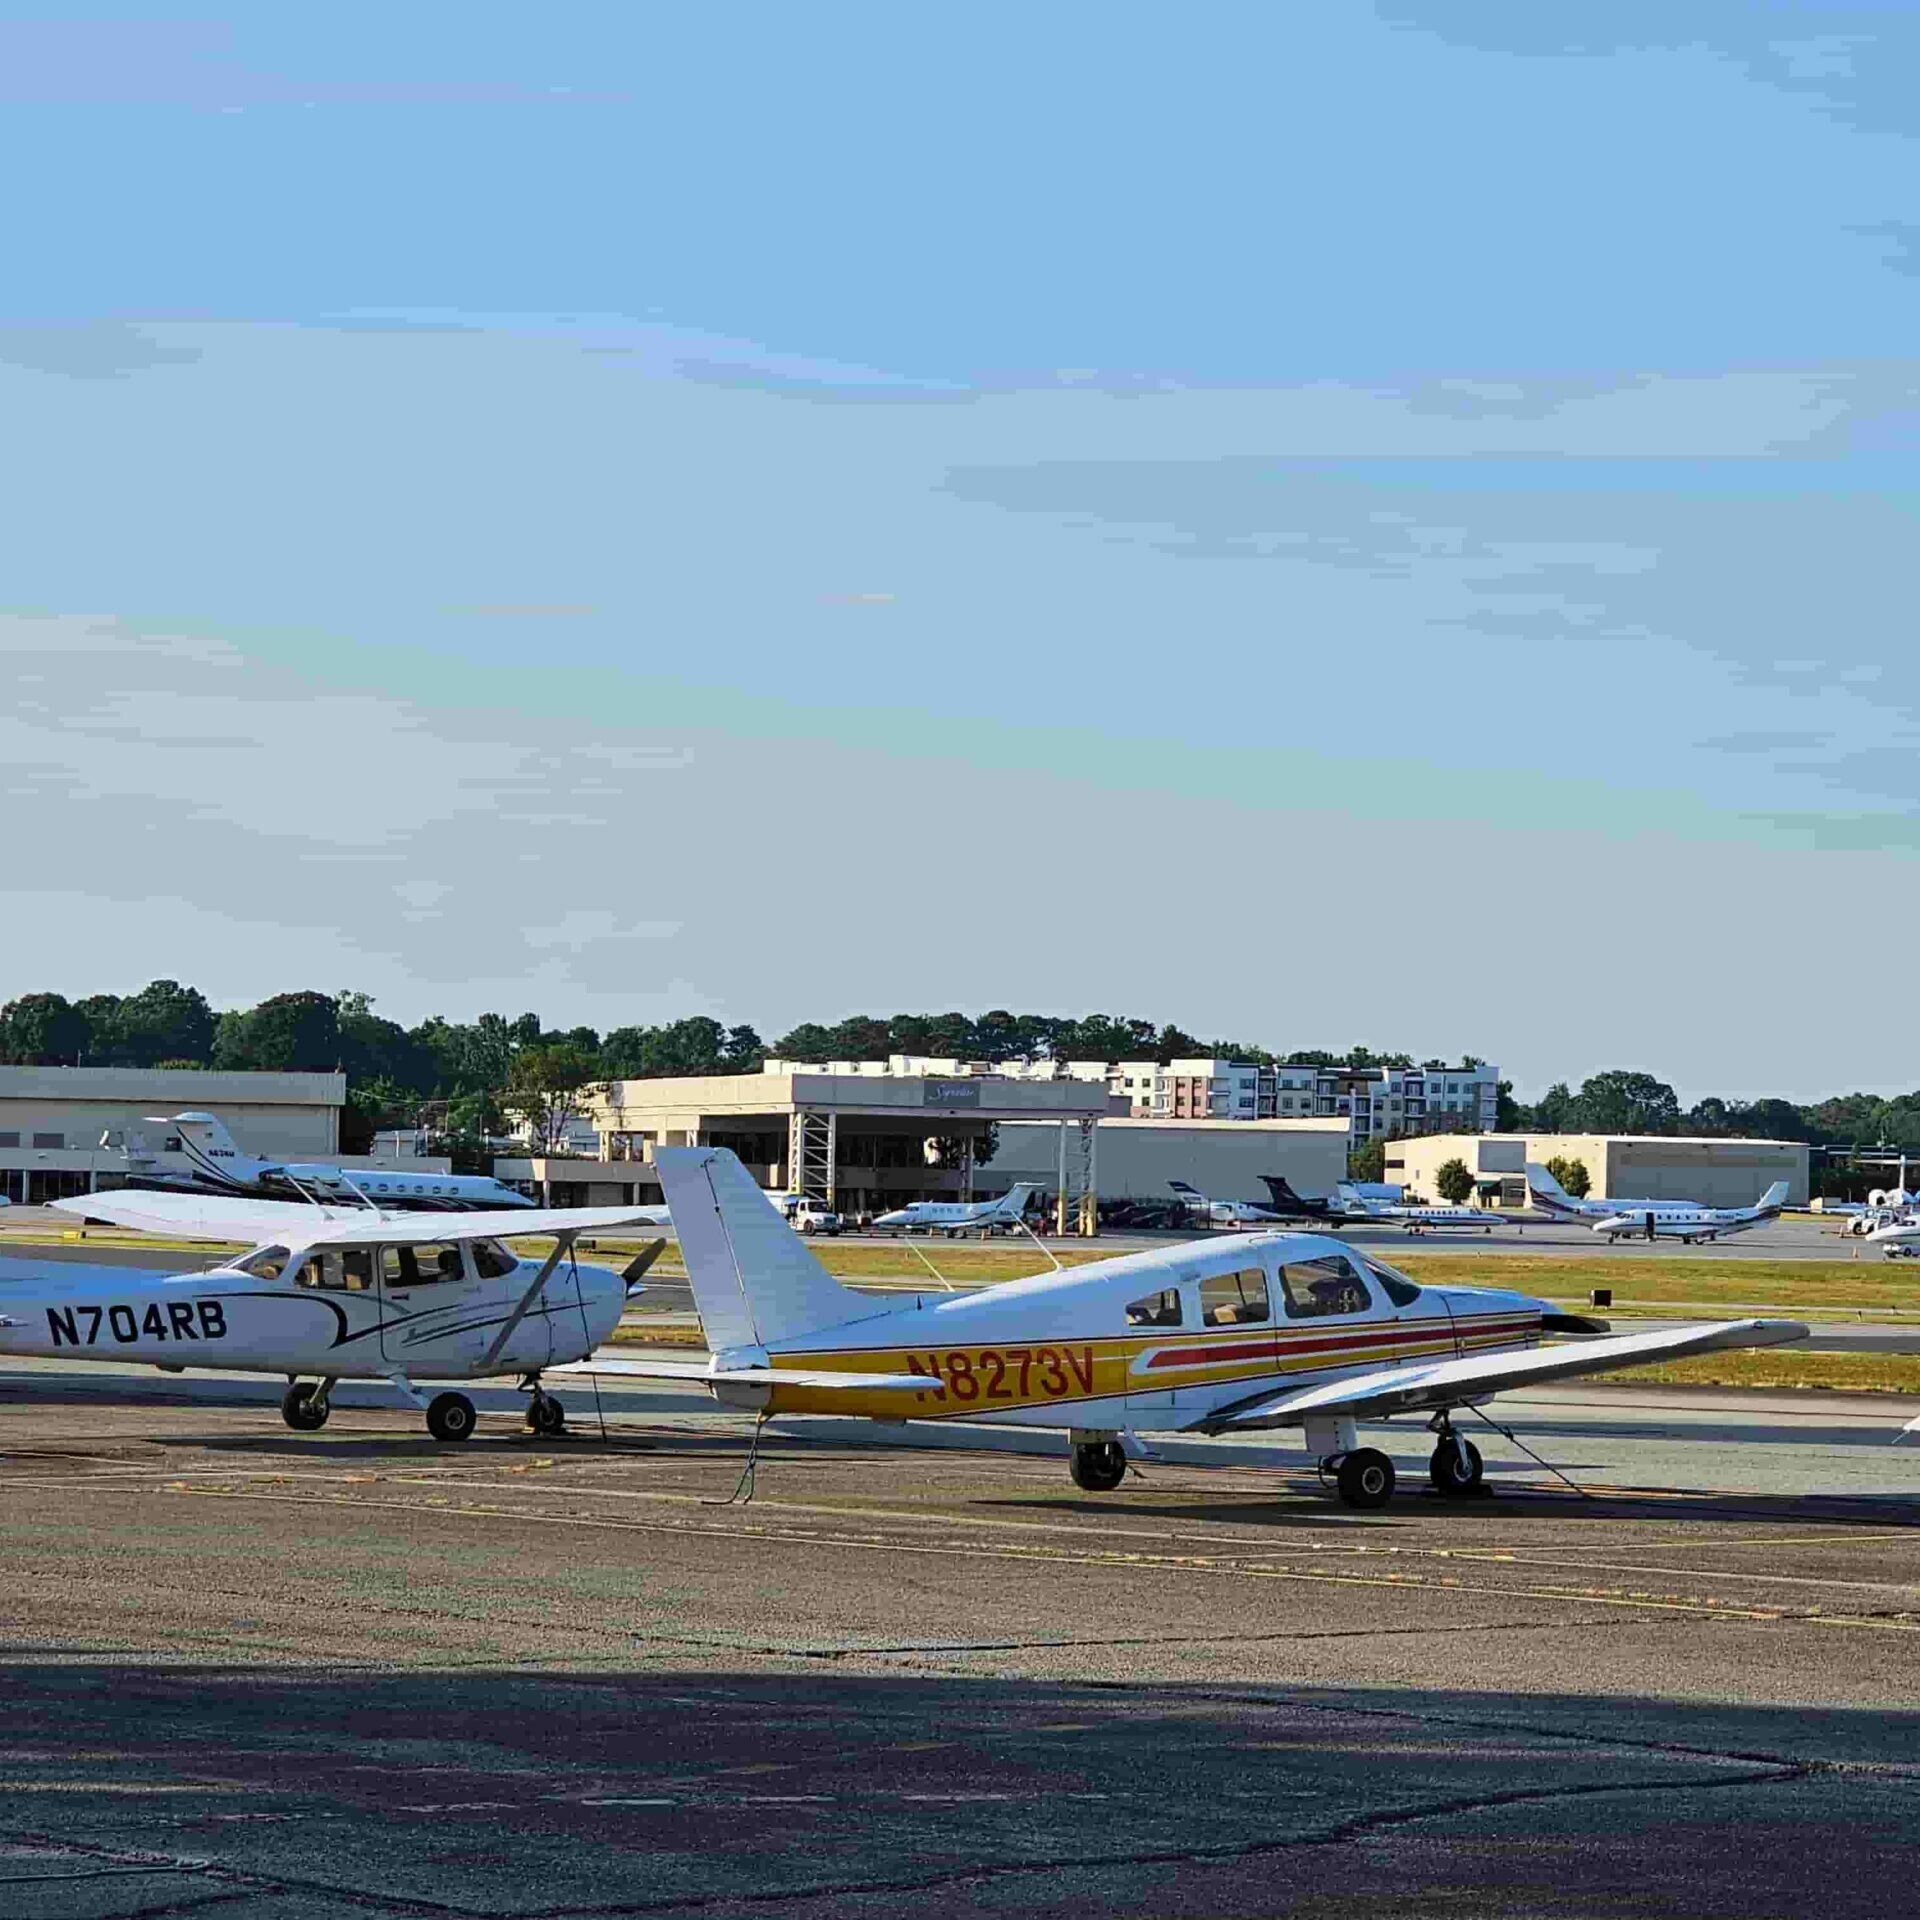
205,1216
1446,1383
747,1376
192,1216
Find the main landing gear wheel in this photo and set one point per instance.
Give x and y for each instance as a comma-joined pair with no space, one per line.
304,1408
1365,1478
450,1416
1456,1468
546,1415
1098,1466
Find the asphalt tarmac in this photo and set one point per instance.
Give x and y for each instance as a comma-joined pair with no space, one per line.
359,1673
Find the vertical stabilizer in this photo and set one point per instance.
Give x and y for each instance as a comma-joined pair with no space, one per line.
755,1281
210,1150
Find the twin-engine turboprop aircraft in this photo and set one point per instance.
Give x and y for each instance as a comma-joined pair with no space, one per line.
1691,1224
337,1293
1268,1331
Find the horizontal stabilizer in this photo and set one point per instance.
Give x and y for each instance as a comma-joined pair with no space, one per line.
1445,1383
696,1370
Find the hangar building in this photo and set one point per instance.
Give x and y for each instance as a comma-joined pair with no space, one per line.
52,1120
1641,1166
1223,1158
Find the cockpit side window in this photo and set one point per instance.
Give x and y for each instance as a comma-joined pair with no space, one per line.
264,1263
1160,1309
1394,1284
1317,1288
492,1261
423,1265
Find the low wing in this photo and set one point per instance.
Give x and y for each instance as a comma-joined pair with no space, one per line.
1444,1383
195,1216
638,1369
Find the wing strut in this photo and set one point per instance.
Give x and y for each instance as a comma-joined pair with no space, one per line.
562,1246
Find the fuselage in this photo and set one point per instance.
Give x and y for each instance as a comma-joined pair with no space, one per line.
342,1313
1153,1341
1684,1223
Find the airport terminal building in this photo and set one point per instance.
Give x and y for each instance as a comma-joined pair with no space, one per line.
866,1137
1645,1166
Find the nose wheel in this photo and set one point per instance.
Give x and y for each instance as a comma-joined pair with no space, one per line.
545,1414
1456,1469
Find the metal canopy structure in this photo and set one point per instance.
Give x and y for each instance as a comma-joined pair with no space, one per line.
857,1142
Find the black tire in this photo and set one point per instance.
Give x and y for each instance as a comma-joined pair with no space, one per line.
297,1409
1365,1478
450,1416
1098,1467
1444,1469
547,1415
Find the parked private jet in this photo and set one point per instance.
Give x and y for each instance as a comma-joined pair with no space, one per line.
956,1217
1549,1196
220,1167
1223,1213
1417,1219
336,1293
1282,1330
1688,1225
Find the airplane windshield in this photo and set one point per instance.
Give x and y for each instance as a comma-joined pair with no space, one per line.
264,1263
1398,1288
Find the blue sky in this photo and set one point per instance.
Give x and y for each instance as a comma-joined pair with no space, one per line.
1405,514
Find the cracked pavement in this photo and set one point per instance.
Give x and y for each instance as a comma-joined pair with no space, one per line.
354,1672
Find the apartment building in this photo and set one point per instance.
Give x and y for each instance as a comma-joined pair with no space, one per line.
1374,1101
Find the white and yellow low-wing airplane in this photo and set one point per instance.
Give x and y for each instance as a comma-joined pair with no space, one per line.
337,1293
1270,1331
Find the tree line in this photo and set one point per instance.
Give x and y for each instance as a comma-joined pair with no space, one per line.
460,1076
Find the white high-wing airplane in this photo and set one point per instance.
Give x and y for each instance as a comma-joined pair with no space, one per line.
955,1217
336,1293
1279,1330
219,1166
1689,1224
1357,1206
1223,1213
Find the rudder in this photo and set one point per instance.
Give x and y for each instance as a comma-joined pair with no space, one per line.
755,1281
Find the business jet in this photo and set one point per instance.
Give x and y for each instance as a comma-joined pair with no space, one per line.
955,1217
219,1165
1288,1205
337,1293
1277,1331
1550,1197
1688,1225
1223,1213
1416,1219
1897,1238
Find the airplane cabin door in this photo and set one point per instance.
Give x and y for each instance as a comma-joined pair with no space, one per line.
434,1318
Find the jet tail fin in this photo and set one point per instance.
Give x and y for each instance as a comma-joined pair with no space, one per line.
1774,1198
755,1281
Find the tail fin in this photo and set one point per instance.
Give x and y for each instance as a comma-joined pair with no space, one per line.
206,1142
1284,1197
1774,1198
1541,1180
1017,1196
755,1281
1182,1187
